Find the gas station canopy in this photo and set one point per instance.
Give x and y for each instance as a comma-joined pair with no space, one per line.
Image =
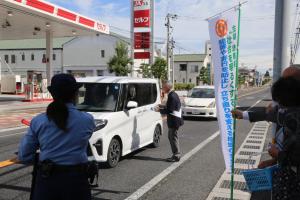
29,19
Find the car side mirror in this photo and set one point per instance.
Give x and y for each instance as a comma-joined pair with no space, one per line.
131,105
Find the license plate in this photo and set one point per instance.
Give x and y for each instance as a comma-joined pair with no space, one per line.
195,112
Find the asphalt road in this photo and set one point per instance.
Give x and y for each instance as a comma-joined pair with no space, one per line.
194,179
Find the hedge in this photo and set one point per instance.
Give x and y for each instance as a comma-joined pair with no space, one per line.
184,86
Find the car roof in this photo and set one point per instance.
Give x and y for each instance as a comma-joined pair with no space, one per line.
114,79
206,87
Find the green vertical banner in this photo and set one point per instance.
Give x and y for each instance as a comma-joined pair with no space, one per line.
224,35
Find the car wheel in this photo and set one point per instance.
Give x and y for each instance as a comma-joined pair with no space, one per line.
156,136
114,153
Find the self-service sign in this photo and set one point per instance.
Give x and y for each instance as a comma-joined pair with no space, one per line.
141,18
141,4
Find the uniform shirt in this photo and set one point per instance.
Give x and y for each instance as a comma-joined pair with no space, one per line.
64,148
173,111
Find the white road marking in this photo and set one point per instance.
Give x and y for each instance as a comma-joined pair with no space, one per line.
254,104
9,135
12,129
148,186
154,181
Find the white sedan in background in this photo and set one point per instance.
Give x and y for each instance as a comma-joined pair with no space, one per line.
200,102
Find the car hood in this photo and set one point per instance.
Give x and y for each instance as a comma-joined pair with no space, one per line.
198,102
101,115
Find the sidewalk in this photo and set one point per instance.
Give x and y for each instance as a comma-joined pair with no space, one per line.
13,110
12,118
15,102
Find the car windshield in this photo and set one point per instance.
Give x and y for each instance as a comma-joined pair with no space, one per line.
98,97
202,93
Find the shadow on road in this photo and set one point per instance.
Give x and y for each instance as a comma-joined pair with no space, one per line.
199,119
13,170
146,158
101,191
13,187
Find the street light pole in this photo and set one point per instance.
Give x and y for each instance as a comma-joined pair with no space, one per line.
282,33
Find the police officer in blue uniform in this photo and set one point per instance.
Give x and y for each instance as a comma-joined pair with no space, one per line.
62,135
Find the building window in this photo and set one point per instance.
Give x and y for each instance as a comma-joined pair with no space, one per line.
102,53
100,72
13,58
209,54
44,58
6,58
54,56
183,80
190,80
194,69
32,57
182,67
209,48
23,57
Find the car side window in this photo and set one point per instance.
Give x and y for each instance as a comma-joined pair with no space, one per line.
146,93
142,93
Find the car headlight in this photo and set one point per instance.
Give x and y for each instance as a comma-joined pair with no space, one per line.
100,123
212,104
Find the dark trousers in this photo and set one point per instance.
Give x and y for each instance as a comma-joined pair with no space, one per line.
286,184
174,142
62,186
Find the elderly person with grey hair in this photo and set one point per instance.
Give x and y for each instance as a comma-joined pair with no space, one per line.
174,120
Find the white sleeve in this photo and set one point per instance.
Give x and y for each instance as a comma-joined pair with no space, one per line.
245,115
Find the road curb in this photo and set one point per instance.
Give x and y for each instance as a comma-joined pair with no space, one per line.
12,129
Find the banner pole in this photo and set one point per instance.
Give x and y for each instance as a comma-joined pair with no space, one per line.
235,103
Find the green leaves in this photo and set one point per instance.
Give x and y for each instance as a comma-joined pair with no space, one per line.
157,70
120,62
145,70
204,75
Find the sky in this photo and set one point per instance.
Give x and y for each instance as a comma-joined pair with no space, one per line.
191,29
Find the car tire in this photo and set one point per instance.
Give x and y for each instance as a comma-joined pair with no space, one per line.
156,136
114,153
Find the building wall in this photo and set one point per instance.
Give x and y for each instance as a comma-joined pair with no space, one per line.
187,76
83,55
21,67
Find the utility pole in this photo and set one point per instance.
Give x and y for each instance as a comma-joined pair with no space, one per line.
169,42
172,59
282,34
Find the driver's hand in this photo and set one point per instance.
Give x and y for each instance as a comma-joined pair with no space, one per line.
156,108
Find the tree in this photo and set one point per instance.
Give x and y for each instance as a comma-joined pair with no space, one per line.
242,79
159,69
204,75
145,70
120,62
267,74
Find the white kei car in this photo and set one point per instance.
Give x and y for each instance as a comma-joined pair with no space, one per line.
123,111
200,102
